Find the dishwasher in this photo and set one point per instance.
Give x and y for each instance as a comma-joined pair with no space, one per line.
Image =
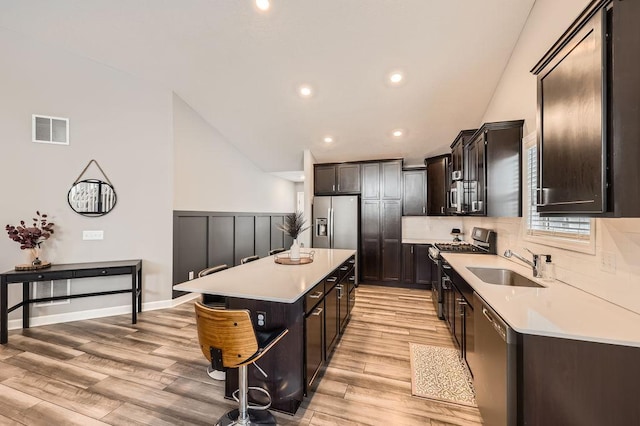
494,365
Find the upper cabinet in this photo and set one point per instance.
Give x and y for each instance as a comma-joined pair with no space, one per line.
588,115
438,178
455,191
492,170
414,193
330,179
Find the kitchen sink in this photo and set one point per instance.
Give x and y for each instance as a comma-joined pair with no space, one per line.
503,277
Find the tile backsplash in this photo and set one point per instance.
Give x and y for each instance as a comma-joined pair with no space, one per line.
431,227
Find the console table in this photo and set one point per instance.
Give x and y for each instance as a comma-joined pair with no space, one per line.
63,272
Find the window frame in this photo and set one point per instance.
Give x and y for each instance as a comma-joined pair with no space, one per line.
581,245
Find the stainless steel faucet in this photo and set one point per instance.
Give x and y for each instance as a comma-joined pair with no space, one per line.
535,265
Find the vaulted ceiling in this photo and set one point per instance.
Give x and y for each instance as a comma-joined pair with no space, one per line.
240,67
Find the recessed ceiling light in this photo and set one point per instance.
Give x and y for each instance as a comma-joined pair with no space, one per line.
396,77
328,139
397,133
263,5
305,91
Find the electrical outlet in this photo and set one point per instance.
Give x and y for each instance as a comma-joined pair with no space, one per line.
92,235
261,318
608,262
191,275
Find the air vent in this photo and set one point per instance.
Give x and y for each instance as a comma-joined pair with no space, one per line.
42,289
54,130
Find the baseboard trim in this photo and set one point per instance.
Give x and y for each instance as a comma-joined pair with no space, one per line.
16,324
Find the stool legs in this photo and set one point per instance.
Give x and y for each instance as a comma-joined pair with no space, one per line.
243,415
243,408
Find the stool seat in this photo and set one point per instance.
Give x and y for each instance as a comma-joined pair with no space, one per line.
229,334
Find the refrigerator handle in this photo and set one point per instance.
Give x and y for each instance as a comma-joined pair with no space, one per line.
331,232
329,226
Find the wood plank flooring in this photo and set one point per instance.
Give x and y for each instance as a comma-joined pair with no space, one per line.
108,371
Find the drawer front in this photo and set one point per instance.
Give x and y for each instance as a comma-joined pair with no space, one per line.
101,272
313,297
42,276
331,280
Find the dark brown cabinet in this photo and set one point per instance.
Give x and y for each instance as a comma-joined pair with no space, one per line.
588,116
425,269
437,184
408,264
341,178
492,172
414,192
381,222
332,312
454,204
417,269
314,346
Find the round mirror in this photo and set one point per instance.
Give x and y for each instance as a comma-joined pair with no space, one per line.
92,197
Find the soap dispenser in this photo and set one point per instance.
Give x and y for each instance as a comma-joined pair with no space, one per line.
548,269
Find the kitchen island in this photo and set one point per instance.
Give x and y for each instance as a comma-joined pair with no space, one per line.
312,300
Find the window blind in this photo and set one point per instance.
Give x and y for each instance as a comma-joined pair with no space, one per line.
575,228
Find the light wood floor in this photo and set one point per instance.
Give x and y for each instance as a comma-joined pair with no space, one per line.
108,371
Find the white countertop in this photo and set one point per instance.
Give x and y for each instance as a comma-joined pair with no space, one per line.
264,279
558,310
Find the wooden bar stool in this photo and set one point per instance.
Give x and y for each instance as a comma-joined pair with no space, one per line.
214,301
231,333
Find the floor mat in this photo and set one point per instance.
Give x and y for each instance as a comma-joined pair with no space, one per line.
438,373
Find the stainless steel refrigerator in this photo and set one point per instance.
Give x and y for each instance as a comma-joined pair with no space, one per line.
335,222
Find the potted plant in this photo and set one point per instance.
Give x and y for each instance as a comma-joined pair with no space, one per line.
294,226
31,237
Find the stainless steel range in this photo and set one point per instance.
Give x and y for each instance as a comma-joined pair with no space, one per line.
484,242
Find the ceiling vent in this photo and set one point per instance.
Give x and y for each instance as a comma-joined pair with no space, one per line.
54,130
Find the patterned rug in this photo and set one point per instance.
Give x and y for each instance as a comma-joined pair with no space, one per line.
438,373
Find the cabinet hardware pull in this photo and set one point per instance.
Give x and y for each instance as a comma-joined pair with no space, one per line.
317,312
333,187
317,295
332,279
424,209
344,268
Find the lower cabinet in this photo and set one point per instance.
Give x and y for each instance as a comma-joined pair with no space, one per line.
327,309
314,344
458,311
331,317
417,268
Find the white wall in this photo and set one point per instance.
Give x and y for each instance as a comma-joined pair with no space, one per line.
116,119
515,98
212,175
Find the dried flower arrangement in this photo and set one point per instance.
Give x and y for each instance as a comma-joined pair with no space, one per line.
294,224
30,237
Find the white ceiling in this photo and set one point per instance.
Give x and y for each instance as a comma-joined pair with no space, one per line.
239,68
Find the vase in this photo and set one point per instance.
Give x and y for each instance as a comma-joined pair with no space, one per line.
34,256
294,252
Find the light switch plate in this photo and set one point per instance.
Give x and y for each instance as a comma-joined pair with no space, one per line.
92,235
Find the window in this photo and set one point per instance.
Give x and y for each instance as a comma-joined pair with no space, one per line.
568,232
